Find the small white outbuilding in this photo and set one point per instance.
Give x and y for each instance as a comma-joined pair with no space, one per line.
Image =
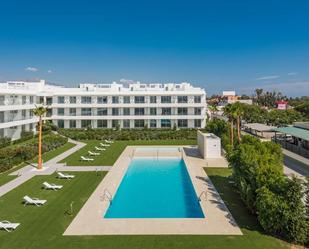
209,145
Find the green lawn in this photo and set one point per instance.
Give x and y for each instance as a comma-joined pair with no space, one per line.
5,177
42,227
108,157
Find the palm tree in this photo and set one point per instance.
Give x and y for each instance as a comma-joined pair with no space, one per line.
212,109
229,112
39,111
239,112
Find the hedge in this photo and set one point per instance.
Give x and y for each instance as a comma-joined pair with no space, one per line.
125,134
258,173
14,155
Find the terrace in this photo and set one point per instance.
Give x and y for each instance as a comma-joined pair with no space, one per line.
43,227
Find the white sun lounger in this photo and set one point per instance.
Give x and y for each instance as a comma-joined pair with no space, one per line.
33,201
93,153
64,176
51,186
105,145
8,226
86,158
99,149
109,141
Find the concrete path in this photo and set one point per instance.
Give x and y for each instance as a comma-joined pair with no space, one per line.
29,171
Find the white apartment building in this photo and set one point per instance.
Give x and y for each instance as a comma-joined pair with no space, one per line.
101,106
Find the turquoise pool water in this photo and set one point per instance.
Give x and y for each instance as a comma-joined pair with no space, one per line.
155,188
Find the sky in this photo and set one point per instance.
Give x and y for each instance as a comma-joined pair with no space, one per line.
218,45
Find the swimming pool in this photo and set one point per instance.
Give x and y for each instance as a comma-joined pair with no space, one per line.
155,188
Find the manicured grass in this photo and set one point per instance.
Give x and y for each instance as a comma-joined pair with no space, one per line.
110,155
253,232
5,177
42,227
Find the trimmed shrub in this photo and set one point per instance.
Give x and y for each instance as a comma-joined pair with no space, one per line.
14,155
128,134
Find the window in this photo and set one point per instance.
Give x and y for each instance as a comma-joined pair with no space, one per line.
1,117
86,112
139,99
166,99
139,123
182,123
24,100
126,99
165,123
60,99
182,99
23,114
102,100
153,111
126,111
197,123
2,99
60,112
72,100
102,123
166,111
153,123
126,123
72,111
49,101
115,123
115,100
102,111
139,111
31,99
86,100
197,111
115,111
60,123
153,99
86,123
197,99
72,123
182,111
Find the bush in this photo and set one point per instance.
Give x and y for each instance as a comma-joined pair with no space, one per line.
5,141
14,155
128,134
277,200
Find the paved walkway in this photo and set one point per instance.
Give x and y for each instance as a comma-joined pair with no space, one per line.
29,171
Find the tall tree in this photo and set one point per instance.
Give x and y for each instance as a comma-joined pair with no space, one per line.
40,111
239,112
229,112
212,109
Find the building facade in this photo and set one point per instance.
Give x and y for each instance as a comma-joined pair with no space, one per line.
102,106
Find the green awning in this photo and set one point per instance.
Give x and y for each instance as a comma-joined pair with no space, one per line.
294,131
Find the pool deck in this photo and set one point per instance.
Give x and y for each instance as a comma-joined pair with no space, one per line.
218,220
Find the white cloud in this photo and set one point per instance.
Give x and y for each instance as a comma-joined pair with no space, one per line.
268,77
126,81
292,73
31,69
49,71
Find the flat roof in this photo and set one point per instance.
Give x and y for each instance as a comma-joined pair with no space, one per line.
294,131
303,125
260,127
